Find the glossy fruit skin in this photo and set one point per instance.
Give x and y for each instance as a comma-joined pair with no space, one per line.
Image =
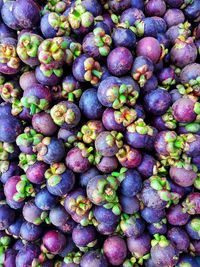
93,259
129,205
117,6
149,47
183,110
132,183
43,123
12,170
174,16
176,216
151,215
44,80
44,200
164,255
107,164
82,236
35,173
8,17
76,162
109,121
32,213
124,37
90,105
5,31
139,246
187,259
103,147
146,166
88,175
157,102
183,55
27,14
7,216
192,228
9,257
182,176
30,232
115,250
179,238
54,241
26,255
119,61
155,8
151,198
58,215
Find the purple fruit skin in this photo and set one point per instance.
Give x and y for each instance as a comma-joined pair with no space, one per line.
8,17
155,8
44,124
174,16
49,81
183,110
131,15
9,257
14,228
151,198
107,164
30,232
115,250
164,256
27,13
82,236
149,47
93,259
44,200
76,162
182,176
179,238
88,175
119,6
157,102
109,122
152,216
54,241
176,216
58,216
139,246
147,165
26,255
129,205
119,61
132,183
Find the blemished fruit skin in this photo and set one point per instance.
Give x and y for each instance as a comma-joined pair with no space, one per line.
99,133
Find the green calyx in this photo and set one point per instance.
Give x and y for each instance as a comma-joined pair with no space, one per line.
42,147
73,51
52,50
114,138
16,107
28,45
140,127
4,245
59,23
24,189
35,104
2,79
8,56
93,71
73,257
160,240
102,40
48,71
90,131
29,138
26,160
71,92
5,150
174,144
9,91
87,152
56,6
123,94
81,205
195,224
79,17
142,74
61,114
125,116
4,166
161,185
124,153
169,119
54,173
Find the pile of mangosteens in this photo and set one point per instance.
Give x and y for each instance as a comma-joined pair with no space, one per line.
100,133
